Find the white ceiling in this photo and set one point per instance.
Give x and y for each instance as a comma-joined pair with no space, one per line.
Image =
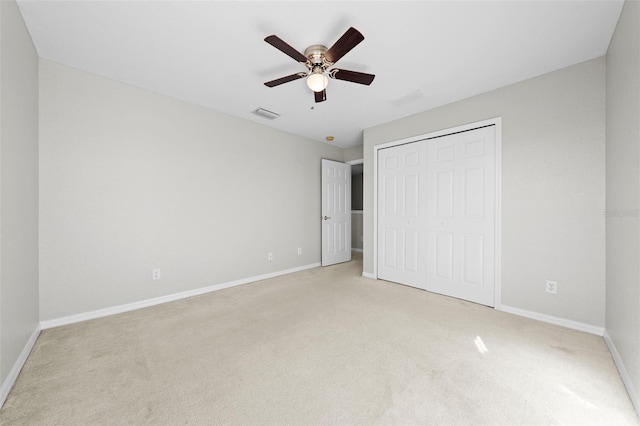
424,53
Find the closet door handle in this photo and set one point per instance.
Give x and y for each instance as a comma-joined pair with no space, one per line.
326,217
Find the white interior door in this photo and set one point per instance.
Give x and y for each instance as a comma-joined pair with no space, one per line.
336,212
461,215
402,172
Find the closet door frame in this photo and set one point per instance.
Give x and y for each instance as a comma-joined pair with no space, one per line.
497,122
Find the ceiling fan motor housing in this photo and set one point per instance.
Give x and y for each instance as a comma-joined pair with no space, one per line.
317,65
315,53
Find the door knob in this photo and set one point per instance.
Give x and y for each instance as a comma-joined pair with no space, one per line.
326,218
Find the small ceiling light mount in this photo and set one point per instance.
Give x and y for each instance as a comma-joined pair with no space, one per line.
329,138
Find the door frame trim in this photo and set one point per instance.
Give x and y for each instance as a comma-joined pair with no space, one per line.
497,122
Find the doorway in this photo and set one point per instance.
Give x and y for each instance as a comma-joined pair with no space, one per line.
357,205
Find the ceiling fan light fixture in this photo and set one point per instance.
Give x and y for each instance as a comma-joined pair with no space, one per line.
318,60
317,81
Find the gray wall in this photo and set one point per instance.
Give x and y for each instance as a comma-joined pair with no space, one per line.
357,181
356,191
18,187
623,193
131,181
553,194
356,231
353,153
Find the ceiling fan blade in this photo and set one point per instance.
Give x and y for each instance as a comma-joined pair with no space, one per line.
286,79
352,76
348,41
282,46
321,96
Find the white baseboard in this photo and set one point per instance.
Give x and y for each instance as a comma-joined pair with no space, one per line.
71,319
13,374
599,331
575,325
633,395
359,250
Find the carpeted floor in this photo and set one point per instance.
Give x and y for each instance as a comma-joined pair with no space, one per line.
322,346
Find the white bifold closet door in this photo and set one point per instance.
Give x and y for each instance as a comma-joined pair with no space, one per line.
402,172
436,215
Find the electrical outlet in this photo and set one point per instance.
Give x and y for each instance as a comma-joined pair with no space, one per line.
552,287
269,256
299,251
156,274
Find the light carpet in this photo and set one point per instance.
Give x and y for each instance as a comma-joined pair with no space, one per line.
322,346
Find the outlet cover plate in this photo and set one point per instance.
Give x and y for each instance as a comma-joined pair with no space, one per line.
552,287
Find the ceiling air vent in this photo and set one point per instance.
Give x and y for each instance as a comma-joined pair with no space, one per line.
265,113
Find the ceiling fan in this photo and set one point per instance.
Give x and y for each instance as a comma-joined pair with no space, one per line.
318,59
